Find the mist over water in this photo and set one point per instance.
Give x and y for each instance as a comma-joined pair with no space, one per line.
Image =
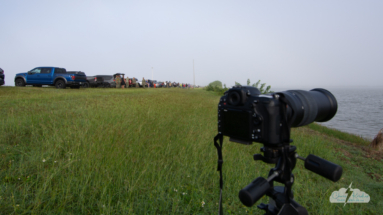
360,110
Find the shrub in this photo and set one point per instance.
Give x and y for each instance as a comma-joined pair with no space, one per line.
216,86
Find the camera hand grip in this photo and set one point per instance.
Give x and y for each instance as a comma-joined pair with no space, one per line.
254,191
323,167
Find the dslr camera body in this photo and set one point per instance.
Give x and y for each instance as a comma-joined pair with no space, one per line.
246,116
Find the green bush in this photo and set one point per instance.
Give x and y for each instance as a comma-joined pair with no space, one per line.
216,86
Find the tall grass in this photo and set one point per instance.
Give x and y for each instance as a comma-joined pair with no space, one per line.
144,151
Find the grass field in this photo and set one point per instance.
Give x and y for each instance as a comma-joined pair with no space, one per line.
151,151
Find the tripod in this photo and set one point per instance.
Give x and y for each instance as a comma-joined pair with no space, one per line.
281,198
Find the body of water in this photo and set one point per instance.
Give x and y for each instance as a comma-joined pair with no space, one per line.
360,111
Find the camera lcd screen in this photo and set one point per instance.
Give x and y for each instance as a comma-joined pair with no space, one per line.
236,123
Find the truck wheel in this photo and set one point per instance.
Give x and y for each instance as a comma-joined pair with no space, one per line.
85,85
60,84
19,82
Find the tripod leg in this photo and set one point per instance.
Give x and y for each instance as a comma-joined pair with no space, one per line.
301,210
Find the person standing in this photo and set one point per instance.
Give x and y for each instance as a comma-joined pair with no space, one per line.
143,82
118,81
123,82
134,82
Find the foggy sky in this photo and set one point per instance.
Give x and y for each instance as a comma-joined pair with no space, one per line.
283,43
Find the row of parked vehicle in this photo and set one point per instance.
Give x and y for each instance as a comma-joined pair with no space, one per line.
106,81
60,78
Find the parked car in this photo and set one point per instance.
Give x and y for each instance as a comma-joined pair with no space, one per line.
85,84
2,82
95,81
76,72
90,82
106,81
53,76
160,84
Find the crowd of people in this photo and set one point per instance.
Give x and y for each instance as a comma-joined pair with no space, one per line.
122,82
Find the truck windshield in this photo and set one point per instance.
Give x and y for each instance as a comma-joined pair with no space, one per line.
37,70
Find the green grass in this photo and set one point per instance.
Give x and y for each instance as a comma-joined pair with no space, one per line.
151,151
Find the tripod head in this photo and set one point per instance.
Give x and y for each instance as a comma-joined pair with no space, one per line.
281,198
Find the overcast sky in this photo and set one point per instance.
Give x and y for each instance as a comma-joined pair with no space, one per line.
283,43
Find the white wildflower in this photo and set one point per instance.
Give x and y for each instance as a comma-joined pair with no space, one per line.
43,160
175,190
203,203
184,193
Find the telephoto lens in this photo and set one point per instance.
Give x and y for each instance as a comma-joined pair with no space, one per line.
305,107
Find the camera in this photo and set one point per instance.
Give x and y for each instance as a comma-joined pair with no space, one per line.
246,116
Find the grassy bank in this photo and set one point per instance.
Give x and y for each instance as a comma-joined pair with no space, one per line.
137,151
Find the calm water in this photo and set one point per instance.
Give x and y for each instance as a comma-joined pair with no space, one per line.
360,111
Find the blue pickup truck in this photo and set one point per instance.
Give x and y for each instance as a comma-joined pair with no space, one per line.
52,76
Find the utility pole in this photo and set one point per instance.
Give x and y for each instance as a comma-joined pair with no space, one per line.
152,73
193,75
